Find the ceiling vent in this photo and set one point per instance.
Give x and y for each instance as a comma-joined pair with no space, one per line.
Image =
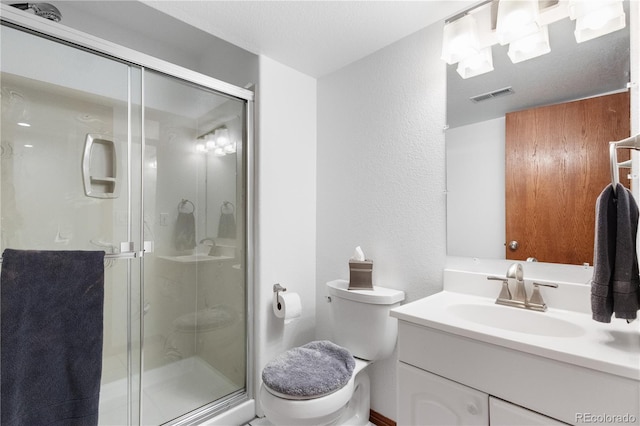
491,95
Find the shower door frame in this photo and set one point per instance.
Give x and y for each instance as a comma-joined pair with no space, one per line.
87,42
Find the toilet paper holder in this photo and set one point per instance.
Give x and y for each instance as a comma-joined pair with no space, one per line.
277,288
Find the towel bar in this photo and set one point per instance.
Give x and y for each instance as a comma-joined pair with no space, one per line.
129,255
632,142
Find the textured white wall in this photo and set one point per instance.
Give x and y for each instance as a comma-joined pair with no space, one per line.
381,177
286,205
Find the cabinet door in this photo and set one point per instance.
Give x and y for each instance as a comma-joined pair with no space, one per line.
506,414
427,399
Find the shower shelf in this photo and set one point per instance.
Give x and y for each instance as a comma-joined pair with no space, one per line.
101,159
102,179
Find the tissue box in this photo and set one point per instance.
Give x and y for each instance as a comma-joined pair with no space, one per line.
360,275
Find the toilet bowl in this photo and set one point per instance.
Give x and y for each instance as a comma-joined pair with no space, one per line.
283,410
352,311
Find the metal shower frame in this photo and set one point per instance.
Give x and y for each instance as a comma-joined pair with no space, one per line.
42,27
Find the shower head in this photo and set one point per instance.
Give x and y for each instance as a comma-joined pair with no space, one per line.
44,10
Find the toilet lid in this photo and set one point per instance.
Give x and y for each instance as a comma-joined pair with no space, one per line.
310,371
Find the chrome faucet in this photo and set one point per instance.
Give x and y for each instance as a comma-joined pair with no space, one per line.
212,246
515,275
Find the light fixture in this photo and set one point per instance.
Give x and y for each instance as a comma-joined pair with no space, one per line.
230,148
460,39
596,18
23,124
477,64
210,141
222,137
523,25
216,141
530,46
201,148
516,19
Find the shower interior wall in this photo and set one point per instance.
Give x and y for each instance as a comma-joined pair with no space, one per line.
135,25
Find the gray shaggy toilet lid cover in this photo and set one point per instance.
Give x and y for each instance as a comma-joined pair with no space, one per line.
312,370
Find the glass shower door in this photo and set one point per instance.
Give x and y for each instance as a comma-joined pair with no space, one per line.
91,161
194,284
70,130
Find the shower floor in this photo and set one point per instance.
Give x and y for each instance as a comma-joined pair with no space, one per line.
169,392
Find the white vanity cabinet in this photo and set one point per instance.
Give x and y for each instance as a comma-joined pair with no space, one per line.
463,359
448,379
427,399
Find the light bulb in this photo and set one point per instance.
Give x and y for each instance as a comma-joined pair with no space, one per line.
230,149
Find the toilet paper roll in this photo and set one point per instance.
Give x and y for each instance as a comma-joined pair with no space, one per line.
287,305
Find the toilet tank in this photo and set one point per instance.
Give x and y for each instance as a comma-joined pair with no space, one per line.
361,321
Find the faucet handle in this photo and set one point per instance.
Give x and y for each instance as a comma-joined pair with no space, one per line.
497,278
505,293
554,285
536,301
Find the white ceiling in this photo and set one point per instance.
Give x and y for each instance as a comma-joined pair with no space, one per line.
320,37
314,37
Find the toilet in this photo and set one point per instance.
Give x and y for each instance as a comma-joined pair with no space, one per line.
362,326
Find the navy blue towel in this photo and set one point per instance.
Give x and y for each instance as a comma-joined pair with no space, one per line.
227,226
51,338
615,287
184,234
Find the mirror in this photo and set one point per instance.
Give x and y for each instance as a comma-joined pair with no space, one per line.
475,138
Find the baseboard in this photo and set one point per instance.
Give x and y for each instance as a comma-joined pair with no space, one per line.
380,420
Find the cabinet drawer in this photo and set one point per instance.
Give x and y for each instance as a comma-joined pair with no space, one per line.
504,413
427,399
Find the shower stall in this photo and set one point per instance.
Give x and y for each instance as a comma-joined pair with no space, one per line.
106,149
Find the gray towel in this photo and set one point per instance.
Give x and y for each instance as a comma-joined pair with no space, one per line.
227,226
51,339
185,231
615,284
315,369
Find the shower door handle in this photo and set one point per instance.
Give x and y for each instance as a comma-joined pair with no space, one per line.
148,247
99,167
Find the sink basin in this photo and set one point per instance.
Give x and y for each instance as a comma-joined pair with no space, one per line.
192,258
515,319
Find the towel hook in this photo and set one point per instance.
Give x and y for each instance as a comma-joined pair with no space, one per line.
183,208
227,207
